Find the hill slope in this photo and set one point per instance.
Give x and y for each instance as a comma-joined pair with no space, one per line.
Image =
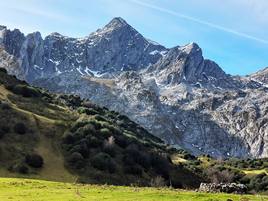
64,138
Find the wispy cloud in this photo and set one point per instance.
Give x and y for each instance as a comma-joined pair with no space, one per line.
32,9
200,21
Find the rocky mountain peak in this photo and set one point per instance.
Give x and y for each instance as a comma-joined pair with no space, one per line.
55,34
117,22
116,25
191,48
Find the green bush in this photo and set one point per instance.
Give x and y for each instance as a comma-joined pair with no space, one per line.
81,148
96,124
105,132
76,160
3,131
5,106
134,170
20,128
188,156
122,141
160,165
139,157
258,183
88,111
34,160
94,141
77,125
22,169
68,138
26,91
100,118
104,162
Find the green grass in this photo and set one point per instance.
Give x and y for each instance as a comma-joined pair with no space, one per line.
37,190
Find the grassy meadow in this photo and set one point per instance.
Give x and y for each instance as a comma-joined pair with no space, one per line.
37,190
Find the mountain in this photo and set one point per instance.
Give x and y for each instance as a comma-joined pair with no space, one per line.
64,138
174,93
116,47
260,76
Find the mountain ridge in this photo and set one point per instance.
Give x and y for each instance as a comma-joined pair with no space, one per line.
175,93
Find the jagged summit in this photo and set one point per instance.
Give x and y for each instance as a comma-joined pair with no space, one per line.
191,48
55,34
117,22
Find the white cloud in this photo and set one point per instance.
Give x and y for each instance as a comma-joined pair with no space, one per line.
32,8
200,21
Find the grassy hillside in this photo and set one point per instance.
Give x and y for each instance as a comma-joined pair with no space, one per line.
63,138
34,190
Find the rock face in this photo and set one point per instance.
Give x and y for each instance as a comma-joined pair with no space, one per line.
116,47
176,94
223,188
186,64
261,76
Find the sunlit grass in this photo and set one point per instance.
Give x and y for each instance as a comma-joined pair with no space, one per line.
36,190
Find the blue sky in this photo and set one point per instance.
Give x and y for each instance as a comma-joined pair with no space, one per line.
234,33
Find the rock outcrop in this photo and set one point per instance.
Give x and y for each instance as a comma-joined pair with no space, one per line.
223,188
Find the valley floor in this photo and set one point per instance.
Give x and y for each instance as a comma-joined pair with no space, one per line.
37,190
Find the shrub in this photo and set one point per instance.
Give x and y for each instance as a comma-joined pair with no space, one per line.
104,162
160,165
114,129
88,111
68,138
20,128
34,160
133,169
76,160
96,124
82,148
77,125
3,131
26,91
5,106
99,118
89,129
121,141
94,141
23,169
142,159
105,132
189,157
